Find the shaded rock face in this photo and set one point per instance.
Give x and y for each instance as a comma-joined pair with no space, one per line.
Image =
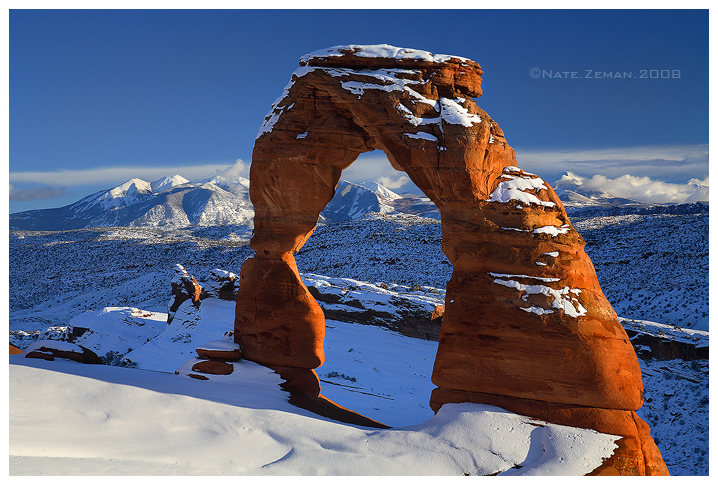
404,316
651,347
222,285
525,317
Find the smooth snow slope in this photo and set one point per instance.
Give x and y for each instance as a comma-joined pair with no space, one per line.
77,419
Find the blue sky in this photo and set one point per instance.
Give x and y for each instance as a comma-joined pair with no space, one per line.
97,97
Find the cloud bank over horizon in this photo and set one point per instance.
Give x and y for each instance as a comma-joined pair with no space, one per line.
672,164
643,189
36,193
658,174
119,175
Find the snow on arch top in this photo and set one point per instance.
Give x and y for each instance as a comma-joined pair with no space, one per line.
383,55
382,51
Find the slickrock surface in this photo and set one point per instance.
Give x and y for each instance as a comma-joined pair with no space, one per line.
525,318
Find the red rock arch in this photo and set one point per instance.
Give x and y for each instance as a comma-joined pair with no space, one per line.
526,324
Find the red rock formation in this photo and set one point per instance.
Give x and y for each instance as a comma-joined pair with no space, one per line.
438,312
277,321
525,317
14,350
184,287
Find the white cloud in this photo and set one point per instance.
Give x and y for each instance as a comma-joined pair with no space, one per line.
393,183
644,189
117,175
703,182
237,169
645,153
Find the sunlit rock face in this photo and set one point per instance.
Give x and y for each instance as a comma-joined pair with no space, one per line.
525,317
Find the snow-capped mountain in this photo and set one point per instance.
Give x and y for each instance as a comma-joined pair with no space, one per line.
177,202
238,186
352,201
169,201
166,183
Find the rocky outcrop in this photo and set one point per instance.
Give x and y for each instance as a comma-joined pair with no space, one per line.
651,347
666,342
184,287
399,312
222,284
525,318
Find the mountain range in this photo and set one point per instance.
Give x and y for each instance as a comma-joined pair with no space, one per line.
177,202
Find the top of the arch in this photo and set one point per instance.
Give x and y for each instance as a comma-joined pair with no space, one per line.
364,55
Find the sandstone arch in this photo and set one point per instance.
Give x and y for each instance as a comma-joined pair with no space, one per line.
526,325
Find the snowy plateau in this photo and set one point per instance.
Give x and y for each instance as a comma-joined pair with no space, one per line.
377,272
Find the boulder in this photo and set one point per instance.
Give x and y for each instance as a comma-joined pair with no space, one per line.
37,354
49,349
220,350
215,367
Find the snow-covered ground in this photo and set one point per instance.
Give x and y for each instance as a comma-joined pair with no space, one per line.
78,419
391,264
652,267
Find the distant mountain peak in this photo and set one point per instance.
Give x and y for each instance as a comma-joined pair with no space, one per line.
130,187
124,194
167,183
220,180
386,193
